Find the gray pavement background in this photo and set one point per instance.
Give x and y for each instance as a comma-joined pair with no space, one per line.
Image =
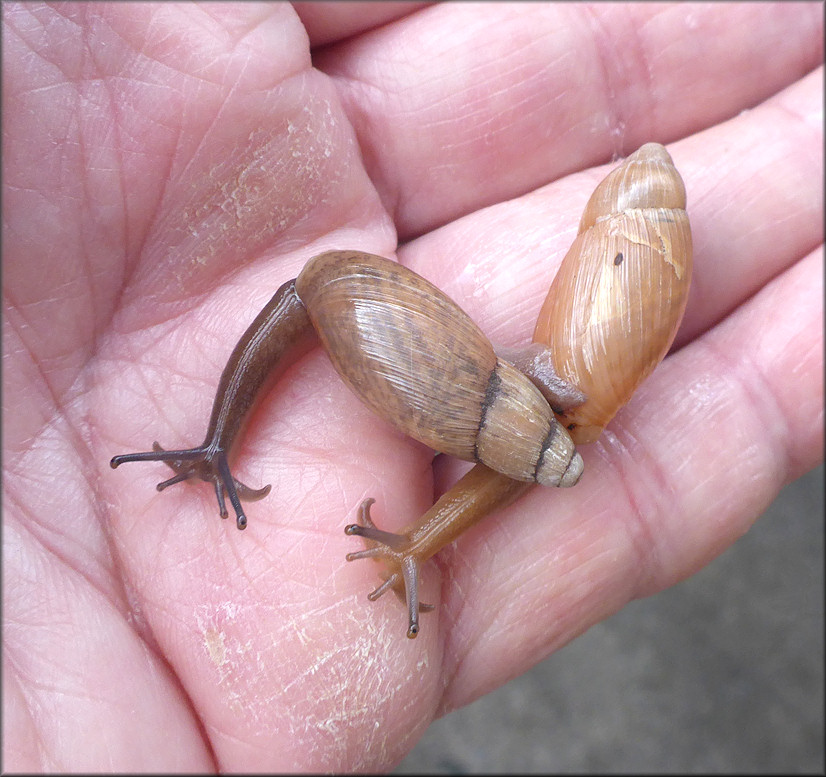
723,673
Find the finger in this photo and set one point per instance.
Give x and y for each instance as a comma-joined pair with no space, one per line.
771,160
754,201
329,22
770,187
705,444
457,109
683,471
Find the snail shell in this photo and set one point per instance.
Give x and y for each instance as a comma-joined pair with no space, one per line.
616,303
418,361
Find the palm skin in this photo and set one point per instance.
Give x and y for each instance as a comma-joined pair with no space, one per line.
166,167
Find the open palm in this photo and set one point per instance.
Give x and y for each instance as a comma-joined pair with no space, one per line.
167,167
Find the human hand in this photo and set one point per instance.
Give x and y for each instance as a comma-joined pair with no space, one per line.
167,167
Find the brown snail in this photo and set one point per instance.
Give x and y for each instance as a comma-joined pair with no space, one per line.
410,354
610,317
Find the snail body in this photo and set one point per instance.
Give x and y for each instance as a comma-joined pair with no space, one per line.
409,353
609,318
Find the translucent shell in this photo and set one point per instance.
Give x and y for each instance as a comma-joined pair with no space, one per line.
616,303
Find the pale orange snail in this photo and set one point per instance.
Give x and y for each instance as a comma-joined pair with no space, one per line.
610,317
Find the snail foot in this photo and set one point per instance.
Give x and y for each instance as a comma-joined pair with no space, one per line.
205,463
395,551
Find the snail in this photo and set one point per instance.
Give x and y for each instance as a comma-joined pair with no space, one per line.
410,354
610,316
617,301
